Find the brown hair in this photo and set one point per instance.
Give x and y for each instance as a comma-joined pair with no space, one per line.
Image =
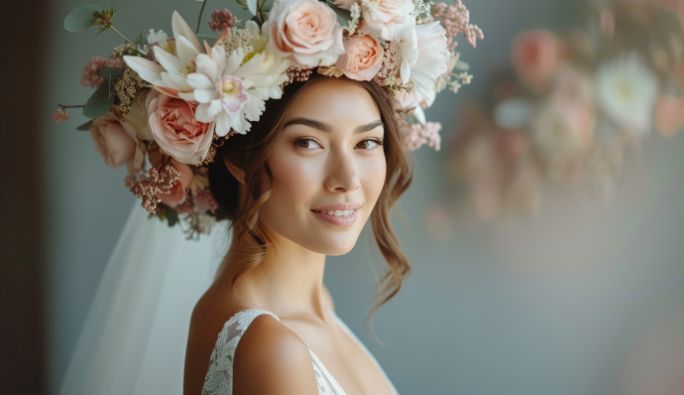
240,203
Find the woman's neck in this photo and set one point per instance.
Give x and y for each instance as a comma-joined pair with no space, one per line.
288,280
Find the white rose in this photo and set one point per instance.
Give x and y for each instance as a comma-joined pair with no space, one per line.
383,18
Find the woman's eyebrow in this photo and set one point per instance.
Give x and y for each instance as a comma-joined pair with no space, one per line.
322,126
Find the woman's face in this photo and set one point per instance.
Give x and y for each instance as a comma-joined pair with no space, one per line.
328,167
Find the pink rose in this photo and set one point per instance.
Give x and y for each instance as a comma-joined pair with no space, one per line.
112,141
307,30
177,194
362,58
175,129
384,18
669,114
535,56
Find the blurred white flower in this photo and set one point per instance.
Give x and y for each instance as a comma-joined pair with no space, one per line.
626,90
156,37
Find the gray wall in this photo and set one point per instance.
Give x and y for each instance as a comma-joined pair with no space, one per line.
550,304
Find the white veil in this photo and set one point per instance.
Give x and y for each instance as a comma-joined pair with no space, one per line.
134,337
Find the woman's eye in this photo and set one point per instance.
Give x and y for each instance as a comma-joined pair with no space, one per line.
370,144
306,144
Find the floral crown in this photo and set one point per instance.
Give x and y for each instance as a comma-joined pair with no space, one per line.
162,106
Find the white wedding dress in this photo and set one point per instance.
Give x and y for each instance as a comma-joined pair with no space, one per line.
219,378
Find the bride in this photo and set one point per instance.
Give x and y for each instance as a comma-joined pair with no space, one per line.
294,127
309,176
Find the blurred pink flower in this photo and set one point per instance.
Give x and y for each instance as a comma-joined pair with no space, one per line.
362,57
177,194
60,115
112,140
669,116
221,20
535,56
91,77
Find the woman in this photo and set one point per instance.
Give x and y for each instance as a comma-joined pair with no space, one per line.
294,126
322,161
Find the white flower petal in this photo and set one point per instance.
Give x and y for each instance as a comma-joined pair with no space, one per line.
181,28
147,70
204,95
185,49
199,81
168,61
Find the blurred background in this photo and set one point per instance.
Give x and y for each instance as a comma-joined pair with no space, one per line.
545,234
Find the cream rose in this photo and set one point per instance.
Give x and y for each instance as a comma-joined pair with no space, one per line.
112,141
344,4
178,194
383,18
306,30
175,129
362,58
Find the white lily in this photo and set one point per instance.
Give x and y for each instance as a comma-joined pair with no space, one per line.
170,74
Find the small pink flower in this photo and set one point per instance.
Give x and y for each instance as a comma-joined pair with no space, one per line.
91,77
60,115
175,129
221,20
535,56
177,194
362,58
205,202
669,114
307,30
112,141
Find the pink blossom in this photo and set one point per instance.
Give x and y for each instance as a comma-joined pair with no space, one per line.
177,193
455,18
60,115
307,30
175,129
535,56
91,77
669,114
204,201
362,58
221,20
419,134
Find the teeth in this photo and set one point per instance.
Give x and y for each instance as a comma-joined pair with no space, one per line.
339,213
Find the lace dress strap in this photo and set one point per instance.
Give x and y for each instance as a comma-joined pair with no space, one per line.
219,377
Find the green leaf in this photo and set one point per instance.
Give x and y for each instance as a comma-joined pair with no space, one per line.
110,74
343,16
171,216
85,126
81,18
100,102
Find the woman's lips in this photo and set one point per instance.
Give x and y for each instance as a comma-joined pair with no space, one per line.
344,220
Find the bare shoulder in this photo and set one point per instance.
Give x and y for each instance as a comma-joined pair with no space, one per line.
272,359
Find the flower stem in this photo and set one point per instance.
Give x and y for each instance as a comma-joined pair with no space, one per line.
122,35
199,17
64,106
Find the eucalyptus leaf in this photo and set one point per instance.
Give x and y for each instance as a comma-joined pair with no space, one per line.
81,18
110,73
100,102
85,126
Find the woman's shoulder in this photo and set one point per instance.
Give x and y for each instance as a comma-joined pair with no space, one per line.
270,358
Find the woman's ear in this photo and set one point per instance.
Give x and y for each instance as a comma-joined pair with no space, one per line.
237,172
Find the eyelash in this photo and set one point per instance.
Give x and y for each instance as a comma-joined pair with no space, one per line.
379,142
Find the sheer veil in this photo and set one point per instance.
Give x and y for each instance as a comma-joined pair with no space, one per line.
134,337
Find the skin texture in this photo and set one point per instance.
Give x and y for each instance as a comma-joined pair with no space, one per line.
328,151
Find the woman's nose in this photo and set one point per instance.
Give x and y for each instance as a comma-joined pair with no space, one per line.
343,173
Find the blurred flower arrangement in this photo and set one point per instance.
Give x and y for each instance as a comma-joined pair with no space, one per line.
572,106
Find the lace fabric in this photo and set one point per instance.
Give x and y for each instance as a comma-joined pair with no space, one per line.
219,377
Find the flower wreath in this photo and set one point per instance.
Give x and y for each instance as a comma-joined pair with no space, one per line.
162,106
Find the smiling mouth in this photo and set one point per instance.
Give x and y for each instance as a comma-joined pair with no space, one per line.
337,217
